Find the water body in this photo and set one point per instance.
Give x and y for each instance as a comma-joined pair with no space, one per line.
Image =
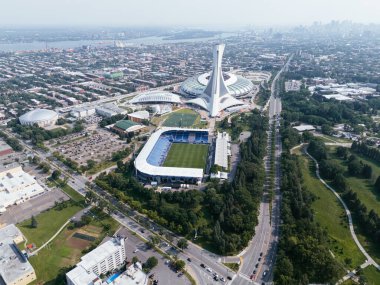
36,46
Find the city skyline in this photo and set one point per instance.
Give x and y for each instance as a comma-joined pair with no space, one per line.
211,14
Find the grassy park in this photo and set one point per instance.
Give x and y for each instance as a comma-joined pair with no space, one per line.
187,155
54,260
330,214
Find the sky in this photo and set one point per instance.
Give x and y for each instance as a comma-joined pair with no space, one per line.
184,13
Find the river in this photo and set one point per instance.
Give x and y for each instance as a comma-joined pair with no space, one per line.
36,46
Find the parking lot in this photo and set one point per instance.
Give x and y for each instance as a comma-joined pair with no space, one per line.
162,272
97,145
34,206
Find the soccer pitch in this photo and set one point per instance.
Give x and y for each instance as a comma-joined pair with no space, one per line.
187,155
182,118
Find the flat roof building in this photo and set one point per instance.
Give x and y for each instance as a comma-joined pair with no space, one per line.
16,186
222,149
109,110
15,268
5,149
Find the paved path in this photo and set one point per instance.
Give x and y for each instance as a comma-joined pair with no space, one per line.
57,233
370,260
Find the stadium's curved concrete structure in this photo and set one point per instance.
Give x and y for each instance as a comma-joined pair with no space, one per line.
237,85
41,117
148,168
156,97
216,96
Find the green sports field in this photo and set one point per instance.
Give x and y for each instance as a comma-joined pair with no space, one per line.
181,118
187,155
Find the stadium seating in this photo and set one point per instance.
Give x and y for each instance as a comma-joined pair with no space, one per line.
160,150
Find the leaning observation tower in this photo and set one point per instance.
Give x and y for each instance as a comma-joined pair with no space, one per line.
216,96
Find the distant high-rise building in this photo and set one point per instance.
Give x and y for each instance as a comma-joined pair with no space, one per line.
216,96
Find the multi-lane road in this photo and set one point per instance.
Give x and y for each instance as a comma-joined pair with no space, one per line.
259,257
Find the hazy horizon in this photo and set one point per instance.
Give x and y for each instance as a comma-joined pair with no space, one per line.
211,14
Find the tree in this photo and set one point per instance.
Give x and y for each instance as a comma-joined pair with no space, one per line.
367,171
34,223
377,184
56,174
179,265
355,167
135,259
182,243
150,263
342,152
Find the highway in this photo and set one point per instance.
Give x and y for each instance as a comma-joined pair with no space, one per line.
258,259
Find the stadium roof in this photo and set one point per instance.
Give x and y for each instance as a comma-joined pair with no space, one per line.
38,115
237,85
143,166
125,124
156,96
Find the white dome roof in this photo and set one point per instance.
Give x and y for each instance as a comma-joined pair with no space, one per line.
39,115
156,96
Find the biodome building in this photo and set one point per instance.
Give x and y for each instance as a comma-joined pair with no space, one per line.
41,117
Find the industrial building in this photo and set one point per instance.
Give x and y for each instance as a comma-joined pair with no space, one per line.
15,268
107,257
16,186
109,110
214,91
82,112
41,117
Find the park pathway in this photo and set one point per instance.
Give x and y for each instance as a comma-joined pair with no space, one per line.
369,259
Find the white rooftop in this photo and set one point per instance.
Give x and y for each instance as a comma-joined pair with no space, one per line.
156,96
303,128
16,186
13,263
143,115
221,149
99,254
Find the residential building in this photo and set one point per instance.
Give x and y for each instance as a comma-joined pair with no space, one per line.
107,257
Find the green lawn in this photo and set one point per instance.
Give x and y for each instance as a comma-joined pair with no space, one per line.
60,255
330,214
367,195
48,223
372,275
182,118
363,187
187,155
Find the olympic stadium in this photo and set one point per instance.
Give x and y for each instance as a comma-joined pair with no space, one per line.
174,155
237,85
